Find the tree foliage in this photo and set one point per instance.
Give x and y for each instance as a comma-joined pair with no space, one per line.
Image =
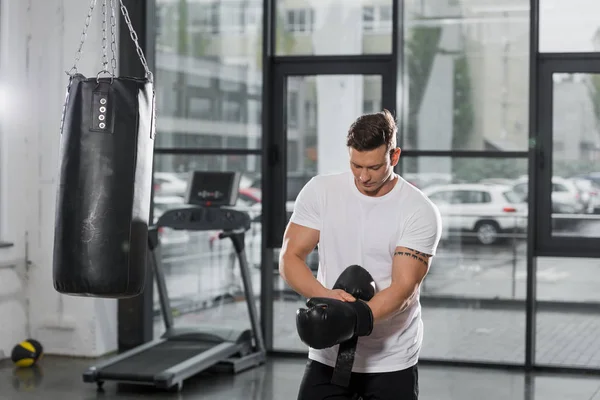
421,48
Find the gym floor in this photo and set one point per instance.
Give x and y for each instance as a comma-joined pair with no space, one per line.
59,378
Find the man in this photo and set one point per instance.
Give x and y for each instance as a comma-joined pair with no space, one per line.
371,217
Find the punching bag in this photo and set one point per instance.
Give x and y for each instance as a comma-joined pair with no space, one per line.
105,180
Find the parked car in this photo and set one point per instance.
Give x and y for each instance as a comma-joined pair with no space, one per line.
566,198
590,194
169,237
592,176
486,210
169,184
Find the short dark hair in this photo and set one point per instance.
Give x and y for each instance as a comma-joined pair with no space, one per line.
371,131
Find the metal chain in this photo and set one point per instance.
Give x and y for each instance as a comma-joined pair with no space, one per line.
134,37
113,35
113,45
88,20
104,38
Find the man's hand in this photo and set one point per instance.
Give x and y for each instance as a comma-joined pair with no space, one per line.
337,294
328,322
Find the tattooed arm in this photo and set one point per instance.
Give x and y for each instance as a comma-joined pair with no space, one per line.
409,268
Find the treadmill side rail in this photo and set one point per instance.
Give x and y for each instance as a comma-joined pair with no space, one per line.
194,365
235,364
90,375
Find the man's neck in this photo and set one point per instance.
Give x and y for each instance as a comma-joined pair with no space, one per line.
386,187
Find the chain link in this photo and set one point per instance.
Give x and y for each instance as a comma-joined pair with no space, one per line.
88,20
134,37
104,37
113,41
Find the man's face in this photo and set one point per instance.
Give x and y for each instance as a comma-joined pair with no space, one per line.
372,169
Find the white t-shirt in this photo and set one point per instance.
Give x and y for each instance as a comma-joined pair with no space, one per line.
358,229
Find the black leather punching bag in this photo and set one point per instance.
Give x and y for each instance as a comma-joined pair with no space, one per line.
103,202
105,181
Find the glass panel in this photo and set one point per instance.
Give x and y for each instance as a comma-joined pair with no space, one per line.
576,155
333,27
578,17
467,64
567,312
208,73
316,145
202,271
474,295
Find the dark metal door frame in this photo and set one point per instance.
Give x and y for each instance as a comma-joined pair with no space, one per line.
275,151
547,244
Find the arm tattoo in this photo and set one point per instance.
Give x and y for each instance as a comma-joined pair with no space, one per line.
415,255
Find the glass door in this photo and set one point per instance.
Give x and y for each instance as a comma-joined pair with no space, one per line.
313,115
566,206
568,161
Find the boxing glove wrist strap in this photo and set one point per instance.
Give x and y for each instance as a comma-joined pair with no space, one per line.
364,318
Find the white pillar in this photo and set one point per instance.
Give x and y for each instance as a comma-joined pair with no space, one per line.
337,30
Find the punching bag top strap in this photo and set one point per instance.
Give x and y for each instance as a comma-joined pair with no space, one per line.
113,24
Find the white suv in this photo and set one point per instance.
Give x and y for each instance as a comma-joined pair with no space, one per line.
486,210
565,196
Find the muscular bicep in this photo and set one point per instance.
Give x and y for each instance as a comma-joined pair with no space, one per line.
409,267
299,240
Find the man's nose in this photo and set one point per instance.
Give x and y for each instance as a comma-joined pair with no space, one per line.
364,176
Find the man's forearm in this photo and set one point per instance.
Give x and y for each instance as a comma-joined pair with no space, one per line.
393,299
299,277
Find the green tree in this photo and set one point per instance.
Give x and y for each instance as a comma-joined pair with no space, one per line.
463,118
284,40
421,48
182,28
182,50
195,45
594,93
594,87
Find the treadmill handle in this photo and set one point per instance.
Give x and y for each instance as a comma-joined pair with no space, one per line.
226,234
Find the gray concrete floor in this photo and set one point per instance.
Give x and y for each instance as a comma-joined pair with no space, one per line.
60,379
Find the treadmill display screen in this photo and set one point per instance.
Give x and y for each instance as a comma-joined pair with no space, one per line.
213,189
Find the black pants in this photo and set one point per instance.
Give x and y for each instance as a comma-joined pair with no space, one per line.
398,385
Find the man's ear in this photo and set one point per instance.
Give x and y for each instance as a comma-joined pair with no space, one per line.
395,156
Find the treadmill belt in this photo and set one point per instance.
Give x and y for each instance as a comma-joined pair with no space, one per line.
144,365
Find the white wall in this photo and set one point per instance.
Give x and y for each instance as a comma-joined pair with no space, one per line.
39,39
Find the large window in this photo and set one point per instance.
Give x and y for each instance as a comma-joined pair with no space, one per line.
208,57
333,27
467,74
209,74
201,270
474,296
467,66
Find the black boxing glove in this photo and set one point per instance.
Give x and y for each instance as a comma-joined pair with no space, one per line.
356,281
328,322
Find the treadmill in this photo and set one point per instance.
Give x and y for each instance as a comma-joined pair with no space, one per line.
181,353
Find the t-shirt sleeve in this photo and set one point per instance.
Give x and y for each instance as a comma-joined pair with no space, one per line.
307,210
423,230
